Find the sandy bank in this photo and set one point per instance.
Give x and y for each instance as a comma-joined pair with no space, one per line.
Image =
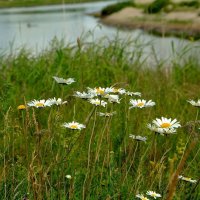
173,23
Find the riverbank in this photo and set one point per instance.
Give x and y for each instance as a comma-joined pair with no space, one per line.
26,3
182,23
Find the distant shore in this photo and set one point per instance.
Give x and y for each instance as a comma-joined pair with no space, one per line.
28,3
179,23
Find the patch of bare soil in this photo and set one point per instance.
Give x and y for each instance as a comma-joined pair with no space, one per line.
176,23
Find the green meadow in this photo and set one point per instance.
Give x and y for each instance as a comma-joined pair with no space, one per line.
40,159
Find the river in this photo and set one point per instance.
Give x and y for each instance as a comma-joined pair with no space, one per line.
35,27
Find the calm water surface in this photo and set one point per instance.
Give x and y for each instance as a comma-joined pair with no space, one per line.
35,27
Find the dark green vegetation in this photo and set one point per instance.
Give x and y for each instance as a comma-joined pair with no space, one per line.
22,3
194,3
36,153
156,6
116,7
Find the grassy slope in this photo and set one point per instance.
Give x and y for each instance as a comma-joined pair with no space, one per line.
36,153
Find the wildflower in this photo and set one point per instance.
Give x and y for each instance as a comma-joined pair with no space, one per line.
97,91
64,81
116,90
153,194
106,114
141,103
55,102
196,104
21,107
39,103
113,98
138,137
164,126
84,95
142,197
98,102
68,176
187,179
133,93
74,125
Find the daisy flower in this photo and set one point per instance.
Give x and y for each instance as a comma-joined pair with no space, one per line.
106,114
56,102
141,103
97,91
187,179
98,102
84,95
113,98
164,126
196,104
133,93
39,103
153,194
117,90
64,81
68,176
73,125
138,137
142,197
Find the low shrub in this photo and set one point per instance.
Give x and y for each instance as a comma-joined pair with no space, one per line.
194,4
116,7
156,6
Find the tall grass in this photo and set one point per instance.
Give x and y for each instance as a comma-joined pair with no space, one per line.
36,153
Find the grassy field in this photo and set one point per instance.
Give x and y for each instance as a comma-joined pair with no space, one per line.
21,3
40,159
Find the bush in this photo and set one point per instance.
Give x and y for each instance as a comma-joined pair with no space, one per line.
194,3
116,7
156,6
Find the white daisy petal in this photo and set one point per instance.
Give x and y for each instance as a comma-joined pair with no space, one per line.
196,104
138,137
142,197
64,81
73,125
164,125
140,103
98,102
84,95
187,179
153,194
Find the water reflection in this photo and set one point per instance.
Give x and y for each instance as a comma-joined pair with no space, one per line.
35,27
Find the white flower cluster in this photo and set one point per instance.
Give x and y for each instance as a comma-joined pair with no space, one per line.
109,93
46,103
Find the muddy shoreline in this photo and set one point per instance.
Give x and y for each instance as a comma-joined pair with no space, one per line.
187,26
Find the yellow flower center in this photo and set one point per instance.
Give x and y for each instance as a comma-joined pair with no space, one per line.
153,195
187,179
140,104
165,125
74,126
144,198
98,102
39,105
100,91
21,107
115,90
